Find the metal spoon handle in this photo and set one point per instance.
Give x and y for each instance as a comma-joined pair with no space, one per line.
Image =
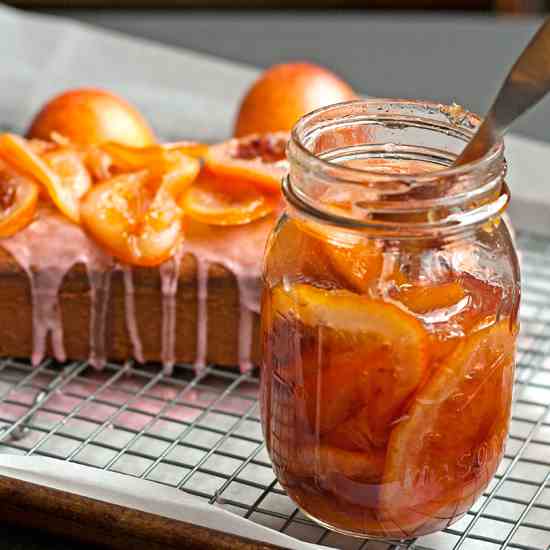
526,84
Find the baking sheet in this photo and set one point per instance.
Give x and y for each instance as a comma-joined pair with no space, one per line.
127,491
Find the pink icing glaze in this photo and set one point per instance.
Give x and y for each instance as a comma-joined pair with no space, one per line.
131,323
202,313
169,278
239,249
100,287
47,249
50,246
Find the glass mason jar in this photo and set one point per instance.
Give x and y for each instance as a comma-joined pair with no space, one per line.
389,319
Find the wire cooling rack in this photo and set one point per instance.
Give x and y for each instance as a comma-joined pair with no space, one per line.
201,433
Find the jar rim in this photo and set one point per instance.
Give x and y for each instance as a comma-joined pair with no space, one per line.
453,171
322,182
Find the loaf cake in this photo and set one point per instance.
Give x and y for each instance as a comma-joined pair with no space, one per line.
113,246
61,296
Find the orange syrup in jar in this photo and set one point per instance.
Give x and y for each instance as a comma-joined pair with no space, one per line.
388,365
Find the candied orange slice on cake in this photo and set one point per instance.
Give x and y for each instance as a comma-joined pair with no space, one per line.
170,162
67,163
136,215
259,159
92,157
445,449
18,200
372,357
215,200
65,188
129,158
136,224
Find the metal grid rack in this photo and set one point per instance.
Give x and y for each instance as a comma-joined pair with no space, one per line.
201,433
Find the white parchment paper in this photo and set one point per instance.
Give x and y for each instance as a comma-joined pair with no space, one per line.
182,93
129,491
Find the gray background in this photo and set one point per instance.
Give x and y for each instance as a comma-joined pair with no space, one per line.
439,57
444,58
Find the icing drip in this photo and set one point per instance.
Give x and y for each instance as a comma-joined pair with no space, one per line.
169,278
100,286
249,303
46,317
46,250
245,338
202,313
130,305
239,250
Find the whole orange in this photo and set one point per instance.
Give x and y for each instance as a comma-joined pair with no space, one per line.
88,116
286,92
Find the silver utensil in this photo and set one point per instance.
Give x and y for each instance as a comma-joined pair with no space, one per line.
526,84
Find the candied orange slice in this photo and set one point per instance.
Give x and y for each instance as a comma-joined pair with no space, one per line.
92,157
297,247
130,158
331,391
18,200
448,443
432,300
193,149
68,165
359,264
354,433
98,163
423,299
260,159
167,162
62,189
473,298
40,146
485,299
216,201
175,173
373,355
325,460
137,223
452,309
